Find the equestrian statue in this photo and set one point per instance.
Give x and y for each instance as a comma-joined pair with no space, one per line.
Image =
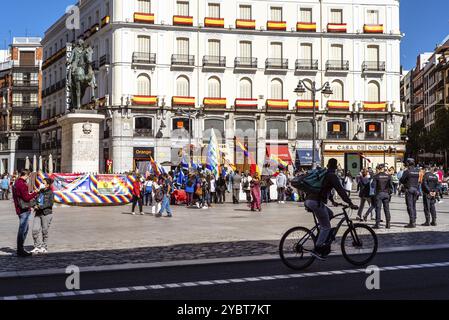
81,74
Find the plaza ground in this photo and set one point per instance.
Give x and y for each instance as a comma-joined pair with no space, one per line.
112,236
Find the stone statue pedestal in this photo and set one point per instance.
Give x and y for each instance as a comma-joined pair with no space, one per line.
80,141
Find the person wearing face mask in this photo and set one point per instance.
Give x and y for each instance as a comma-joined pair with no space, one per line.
23,202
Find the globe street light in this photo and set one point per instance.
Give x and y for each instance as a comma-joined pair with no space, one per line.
327,91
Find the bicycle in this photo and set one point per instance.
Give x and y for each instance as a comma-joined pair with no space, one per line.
358,244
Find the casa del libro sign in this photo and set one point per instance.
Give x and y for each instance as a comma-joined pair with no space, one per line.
368,147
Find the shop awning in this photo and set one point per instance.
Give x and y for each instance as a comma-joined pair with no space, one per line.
279,152
304,157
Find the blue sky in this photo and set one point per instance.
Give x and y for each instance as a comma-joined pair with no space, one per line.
425,23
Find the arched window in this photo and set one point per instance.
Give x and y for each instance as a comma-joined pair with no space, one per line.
276,89
218,126
213,87
373,92
143,85
182,86
246,88
373,131
338,91
277,130
304,130
337,130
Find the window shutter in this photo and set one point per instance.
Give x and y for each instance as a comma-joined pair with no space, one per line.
245,89
245,49
183,46
144,6
214,48
245,12
276,90
306,15
336,16
214,10
143,86
144,44
183,8
214,88
306,51
276,14
276,50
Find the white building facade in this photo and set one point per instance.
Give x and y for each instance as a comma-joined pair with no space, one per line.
238,61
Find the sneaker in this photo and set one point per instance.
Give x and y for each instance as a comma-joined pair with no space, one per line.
142,213
317,255
205,207
43,250
133,213
36,250
158,215
441,201
169,216
24,254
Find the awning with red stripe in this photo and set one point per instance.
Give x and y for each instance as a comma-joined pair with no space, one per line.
279,151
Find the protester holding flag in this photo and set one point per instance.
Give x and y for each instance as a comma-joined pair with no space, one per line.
255,193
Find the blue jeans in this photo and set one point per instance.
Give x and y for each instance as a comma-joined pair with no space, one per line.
323,215
165,205
23,230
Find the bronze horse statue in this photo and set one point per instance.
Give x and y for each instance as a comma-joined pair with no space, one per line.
81,75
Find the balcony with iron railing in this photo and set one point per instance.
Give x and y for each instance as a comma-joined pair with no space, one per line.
24,126
377,135
144,133
373,66
26,83
144,58
183,60
306,65
337,135
105,59
214,61
276,64
337,65
245,63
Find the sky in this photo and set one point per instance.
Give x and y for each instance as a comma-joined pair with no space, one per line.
424,23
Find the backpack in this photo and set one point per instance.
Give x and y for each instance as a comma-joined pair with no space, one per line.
159,195
148,188
311,182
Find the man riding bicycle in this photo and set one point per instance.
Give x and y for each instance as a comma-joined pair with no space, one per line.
316,202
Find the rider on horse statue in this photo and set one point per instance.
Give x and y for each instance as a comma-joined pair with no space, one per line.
81,75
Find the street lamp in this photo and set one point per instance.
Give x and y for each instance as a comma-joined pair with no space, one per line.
327,91
190,114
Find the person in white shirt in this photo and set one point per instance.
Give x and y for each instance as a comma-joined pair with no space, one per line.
347,182
213,190
157,203
281,184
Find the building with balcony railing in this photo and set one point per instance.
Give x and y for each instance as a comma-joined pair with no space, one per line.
20,101
240,62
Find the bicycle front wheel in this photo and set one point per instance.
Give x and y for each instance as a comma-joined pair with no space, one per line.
359,244
295,248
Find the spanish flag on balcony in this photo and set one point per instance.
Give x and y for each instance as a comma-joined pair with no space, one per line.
336,27
374,106
338,105
215,102
143,17
245,24
145,100
277,104
246,103
183,20
307,104
214,22
183,101
105,21
373,28
277,25
304,26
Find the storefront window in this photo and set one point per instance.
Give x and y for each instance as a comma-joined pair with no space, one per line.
337,130
218,127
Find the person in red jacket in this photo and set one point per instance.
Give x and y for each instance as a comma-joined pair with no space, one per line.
22,201
137,195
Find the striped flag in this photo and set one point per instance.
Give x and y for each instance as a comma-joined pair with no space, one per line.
213,155
254,168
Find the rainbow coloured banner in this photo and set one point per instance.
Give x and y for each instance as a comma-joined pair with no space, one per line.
89,190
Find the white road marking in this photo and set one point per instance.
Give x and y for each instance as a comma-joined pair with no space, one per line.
218,282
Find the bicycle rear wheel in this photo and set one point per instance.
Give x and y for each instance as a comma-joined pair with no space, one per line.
295,247
359,244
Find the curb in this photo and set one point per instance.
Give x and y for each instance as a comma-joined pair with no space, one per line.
181,263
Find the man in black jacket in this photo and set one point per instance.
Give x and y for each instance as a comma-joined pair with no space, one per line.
410,180
430,187
316,202
383,188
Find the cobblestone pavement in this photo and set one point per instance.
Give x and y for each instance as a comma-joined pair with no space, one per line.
106,236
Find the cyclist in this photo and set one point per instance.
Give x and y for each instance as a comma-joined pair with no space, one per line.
316,202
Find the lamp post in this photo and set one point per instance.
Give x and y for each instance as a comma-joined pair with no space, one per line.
327,91
190,114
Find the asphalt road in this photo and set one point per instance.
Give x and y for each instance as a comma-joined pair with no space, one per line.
408,275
